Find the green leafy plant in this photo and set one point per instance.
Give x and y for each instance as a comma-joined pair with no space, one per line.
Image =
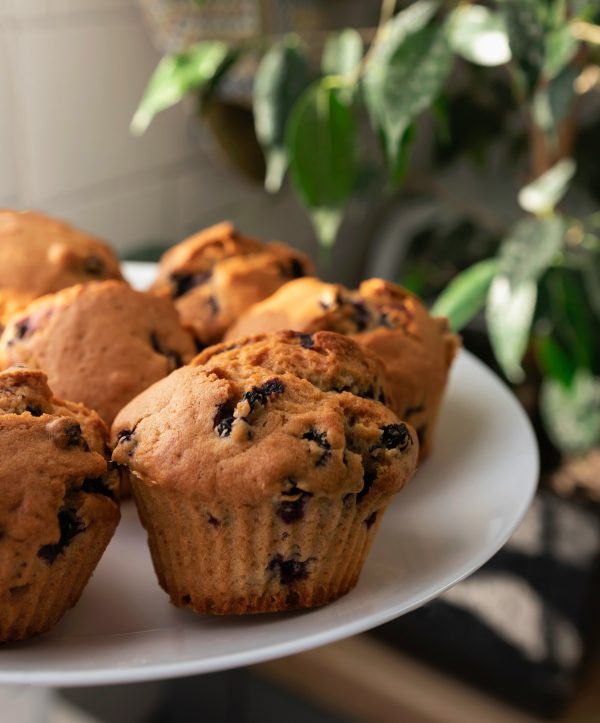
539,291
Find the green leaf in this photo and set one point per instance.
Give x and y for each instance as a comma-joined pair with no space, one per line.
561,47
554,360
509,313
524,256
567,309
282,76
342,53
321,144
541,196
527,24
571,413
405,73
479,35
175,76
465,296
552,103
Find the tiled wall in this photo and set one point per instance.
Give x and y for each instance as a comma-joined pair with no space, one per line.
71,74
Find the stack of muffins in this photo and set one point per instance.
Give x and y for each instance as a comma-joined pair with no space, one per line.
261,466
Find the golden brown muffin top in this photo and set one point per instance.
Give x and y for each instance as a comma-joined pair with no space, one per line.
416,349
100,343
216,274
54,474
310,304
330,361
40,255
246,434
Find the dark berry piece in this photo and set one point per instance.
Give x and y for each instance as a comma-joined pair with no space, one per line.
306,340
290,570
323,459
384,320
260,395
182,283
319,437
290,488
369,477
214,305
214,521
296,269
70,526
22,329
125,437
224,419
173,358
370,521
396,436
293,510
73,434
361,315
34,410
93,265
66,433
381,398
97,486
368,393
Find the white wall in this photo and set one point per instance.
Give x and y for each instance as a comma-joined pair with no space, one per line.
71,75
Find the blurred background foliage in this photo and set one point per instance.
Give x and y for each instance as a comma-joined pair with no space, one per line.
509,89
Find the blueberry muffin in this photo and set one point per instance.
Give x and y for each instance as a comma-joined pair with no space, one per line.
217,274
40,255
58,508
100,343
260,484
417,349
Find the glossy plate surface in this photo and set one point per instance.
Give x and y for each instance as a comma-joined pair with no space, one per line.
460,508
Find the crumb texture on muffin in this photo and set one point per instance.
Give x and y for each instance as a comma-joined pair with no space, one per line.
262,487
58,502
216,274
416,349
100,343
40,255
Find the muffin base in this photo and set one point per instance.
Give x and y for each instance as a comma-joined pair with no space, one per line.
233,560
51,589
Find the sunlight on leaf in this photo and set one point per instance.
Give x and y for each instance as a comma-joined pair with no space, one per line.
524,257
405,74
479,35
541,196
174,77
465,296
342,53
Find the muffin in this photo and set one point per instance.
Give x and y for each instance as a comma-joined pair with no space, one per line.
100,343
416,349
217,274
40,255
262,490
58,508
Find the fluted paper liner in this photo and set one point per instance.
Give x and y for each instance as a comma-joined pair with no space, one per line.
233,559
